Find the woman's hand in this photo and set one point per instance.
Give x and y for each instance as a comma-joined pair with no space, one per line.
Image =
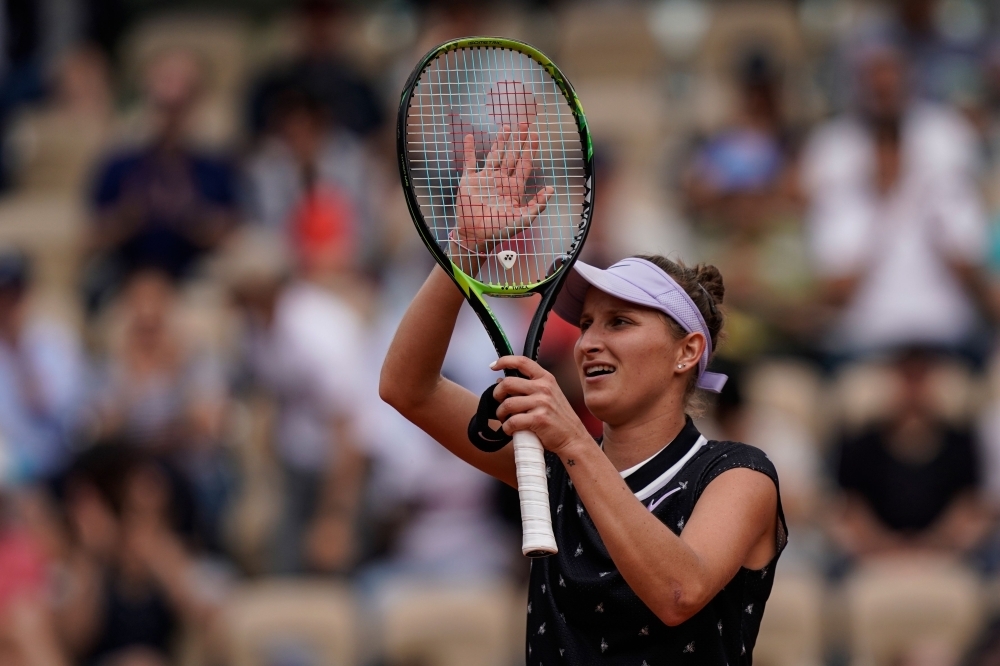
535,402
491,202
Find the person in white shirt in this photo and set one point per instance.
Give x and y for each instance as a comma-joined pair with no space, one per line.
304,346
314,182
896,224
42,381
453,531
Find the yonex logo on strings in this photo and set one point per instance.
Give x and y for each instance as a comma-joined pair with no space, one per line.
508,258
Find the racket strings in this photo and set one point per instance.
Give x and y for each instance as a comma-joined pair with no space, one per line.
492,95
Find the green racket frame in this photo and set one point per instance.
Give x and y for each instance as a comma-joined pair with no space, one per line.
473,289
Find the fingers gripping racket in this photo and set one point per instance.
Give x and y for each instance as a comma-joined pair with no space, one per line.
496,163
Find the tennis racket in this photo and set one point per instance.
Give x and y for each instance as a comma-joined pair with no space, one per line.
496,163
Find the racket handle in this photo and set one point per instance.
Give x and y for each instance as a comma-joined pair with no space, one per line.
533,490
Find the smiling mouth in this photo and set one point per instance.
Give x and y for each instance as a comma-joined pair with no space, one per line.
599,370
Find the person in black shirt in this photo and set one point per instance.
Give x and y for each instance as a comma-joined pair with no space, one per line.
909,481
320,71
121,534
667,542
163,205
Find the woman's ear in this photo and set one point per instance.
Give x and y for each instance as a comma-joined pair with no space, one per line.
689,351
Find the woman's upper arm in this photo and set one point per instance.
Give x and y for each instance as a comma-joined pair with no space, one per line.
444,414
733,525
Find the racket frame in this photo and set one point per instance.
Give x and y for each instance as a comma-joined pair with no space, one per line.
475,290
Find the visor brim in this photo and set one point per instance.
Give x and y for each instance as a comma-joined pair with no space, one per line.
569,303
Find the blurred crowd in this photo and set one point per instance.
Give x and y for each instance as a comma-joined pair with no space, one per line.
204,252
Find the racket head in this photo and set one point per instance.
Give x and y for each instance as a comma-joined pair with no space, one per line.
476,86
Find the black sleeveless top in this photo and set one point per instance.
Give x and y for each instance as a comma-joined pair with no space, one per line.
142,620
581,610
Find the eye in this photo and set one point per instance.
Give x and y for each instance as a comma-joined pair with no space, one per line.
585,324
620,321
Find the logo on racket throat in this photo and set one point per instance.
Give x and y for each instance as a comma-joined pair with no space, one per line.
508,258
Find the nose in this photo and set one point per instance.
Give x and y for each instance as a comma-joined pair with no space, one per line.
590,341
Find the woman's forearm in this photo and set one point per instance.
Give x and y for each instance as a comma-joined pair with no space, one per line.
413,363
657,564
411,378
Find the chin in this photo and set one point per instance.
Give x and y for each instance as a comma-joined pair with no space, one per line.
601,405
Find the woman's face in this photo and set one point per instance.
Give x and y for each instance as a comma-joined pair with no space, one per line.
627,358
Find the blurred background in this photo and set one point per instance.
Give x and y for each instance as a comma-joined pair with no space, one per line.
204,252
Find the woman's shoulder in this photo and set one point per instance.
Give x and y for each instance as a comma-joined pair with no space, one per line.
717,457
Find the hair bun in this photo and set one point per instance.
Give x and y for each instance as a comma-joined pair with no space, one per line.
709,277
703,283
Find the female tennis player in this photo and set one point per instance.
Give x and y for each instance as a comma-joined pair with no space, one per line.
667,541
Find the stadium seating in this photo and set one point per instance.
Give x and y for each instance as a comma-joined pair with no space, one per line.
899,605
272,620
448,625
791,633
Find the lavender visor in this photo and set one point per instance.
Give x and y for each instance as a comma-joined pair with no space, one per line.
643,283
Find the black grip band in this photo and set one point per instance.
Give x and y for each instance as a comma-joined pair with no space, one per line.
482,436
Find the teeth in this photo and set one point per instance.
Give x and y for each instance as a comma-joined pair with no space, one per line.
599,369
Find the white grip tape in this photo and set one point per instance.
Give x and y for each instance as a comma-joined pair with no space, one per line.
533,490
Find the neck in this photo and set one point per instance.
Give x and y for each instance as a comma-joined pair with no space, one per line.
629,444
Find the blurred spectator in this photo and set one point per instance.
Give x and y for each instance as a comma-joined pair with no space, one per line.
898,231
441,519
41,379
321,71
313,182
163,204
629,216
132,584
740,186
305,347
57,143
943,41
946,57
777,429
946,63
32,34
744,169
166,396
442,20
438,21
439,516
911,481
28,630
